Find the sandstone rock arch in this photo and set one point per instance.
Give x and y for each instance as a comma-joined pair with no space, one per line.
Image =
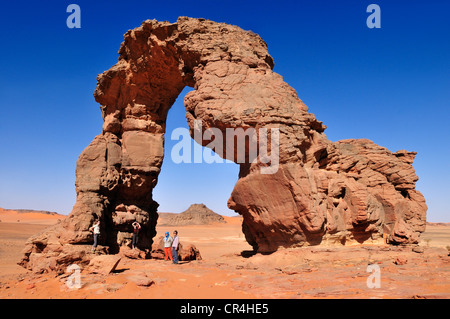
323,191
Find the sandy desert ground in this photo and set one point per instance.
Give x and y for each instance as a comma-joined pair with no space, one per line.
228,270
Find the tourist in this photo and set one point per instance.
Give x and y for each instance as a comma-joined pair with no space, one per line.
96,230
175,246
168,247
136,228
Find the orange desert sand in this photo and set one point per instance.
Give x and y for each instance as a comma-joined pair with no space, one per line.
229,270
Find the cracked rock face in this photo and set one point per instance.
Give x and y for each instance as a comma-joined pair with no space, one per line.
321,192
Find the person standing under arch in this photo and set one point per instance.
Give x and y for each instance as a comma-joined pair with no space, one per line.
168,246
135,238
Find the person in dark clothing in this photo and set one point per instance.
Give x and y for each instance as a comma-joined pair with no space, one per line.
136,228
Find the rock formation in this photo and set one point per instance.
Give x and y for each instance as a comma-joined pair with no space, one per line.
196,214
352,190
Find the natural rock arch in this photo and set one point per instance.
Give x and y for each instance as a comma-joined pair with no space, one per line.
347,190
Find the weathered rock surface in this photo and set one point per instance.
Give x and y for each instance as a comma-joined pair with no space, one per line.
352,190
196,214
41,258
103,264
140,279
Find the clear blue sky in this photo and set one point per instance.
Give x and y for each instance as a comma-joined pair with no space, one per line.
391,85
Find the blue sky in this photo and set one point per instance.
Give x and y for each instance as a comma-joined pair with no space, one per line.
390,85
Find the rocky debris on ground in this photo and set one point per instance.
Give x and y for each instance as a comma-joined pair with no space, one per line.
103,264
134,253
305,272
140,279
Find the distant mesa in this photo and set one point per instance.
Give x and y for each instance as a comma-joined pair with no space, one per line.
437,224
196,214
29,216
27,211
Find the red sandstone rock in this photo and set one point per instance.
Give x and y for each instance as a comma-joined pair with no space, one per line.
103,264
351,190
400,261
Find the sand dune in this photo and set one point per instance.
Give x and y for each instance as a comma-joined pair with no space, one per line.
29,216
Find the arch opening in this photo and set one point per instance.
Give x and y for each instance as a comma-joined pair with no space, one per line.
299,202
182,183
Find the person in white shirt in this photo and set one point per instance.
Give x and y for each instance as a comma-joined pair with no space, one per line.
96,230
175,246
